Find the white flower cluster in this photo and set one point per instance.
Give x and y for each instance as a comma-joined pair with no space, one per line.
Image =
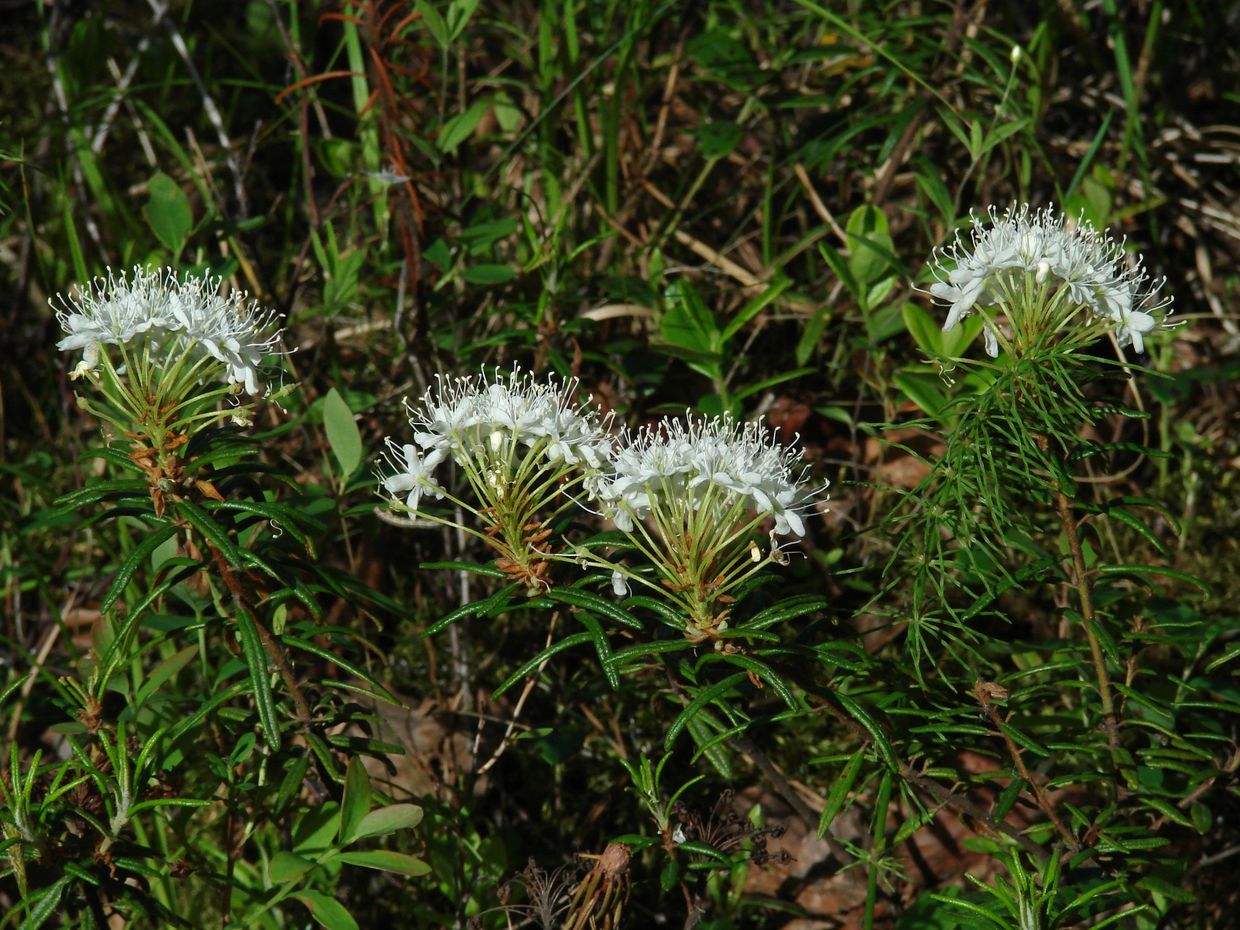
1022,242
119,309
714,463
473,419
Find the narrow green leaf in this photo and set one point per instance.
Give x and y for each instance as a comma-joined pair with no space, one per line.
488,274
170,802
122,487
1232,651
214,534
700,700
770,382
1170,811
290,785
1166,889
135,560
603,648
112,456
356,803
837,264
496,603
434,22
1137,525
460,127
863,717
660,647
260,682
1088,157
568,642
587,600
48,904
206,708
755,306
285,519
839,792
1021,738
163,672
715,752
788,609
812,333
340,662
489,571
1155,570
666,612
76,255
761,670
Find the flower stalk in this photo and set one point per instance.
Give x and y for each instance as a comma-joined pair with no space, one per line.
689,497
167,359
525,448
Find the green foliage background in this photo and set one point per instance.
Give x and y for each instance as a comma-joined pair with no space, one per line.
721,205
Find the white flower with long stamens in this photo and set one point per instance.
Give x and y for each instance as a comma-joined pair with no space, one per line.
1025,256
523,445
109,312
121,309
716,463
413,473
227,327
460,416
690,495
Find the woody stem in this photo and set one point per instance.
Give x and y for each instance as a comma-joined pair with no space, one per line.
1080,581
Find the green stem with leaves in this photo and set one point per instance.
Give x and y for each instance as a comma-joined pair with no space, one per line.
1080,581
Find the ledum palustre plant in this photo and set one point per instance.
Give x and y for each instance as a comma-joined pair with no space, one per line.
220,585
615,705
204,777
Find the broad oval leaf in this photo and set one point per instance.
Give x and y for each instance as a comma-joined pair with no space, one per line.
387,861
329,912
342,432
388,819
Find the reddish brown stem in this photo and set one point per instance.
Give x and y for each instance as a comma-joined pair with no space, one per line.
1039,795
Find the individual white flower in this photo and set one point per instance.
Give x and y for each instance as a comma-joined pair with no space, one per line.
414,473
718,464
120,309
109,311
1089,267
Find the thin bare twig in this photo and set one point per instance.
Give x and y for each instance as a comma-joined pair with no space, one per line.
516,711
208,104
1044,802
